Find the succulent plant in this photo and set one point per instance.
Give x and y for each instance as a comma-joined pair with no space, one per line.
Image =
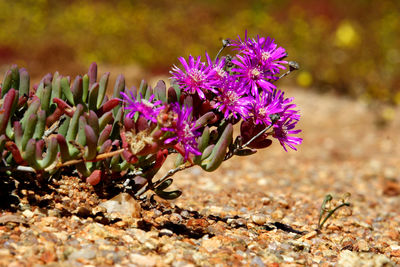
62,124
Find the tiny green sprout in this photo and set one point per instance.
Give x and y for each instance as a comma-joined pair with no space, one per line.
326,208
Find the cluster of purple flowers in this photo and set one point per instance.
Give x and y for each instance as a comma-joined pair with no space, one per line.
238,88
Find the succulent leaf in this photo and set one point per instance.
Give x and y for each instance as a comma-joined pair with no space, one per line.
102,89
7,109
23,82
220,149
92,73
73,127
51,153
91,143
93,95
85,88
77,89
67,90
29,130
168,195
41,125
160,91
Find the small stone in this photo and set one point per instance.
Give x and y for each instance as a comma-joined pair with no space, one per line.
395,253
83,212
351,258
300,246
211,244
166,232
266,201
85,253
277,215
27,214
4,252
141,260
363,245
309,236
123,205
259,219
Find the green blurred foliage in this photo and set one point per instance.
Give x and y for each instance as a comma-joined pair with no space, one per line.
352,47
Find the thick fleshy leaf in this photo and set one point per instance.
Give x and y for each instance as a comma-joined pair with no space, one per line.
102,89
91,143
93,121
77,89
93,95
105,119
168,195
94,178
51,153
16,154
160,91
45,93
118,88
105,147
81,136
164,185
219,151
172,96
7,109
92,73
41,125
29,130
74,124
205,119
67,90
29,154
24,82
6,85
32,109
85,88
104,135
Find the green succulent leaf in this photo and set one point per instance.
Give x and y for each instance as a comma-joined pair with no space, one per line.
169,195
67,90
102,89
164,185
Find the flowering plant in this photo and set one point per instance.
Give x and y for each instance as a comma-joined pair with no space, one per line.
207,98
125,139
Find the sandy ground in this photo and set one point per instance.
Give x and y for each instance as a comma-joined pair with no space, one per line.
260,210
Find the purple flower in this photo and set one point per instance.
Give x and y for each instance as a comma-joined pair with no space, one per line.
184,130
263,50
269,54
219,72
265,105
282,131
144,107
252,74
197,77
275,103
232,99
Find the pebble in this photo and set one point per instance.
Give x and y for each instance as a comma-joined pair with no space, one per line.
85,253
351,258
27,214
166,232
277,215
142,260
259,219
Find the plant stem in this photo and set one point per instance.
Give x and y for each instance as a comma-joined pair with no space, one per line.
99,157
256,136
225,43
165,177
332,212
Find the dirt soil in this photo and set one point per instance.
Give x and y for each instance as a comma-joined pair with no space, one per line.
261,210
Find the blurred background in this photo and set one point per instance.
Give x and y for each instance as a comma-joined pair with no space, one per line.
345,47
